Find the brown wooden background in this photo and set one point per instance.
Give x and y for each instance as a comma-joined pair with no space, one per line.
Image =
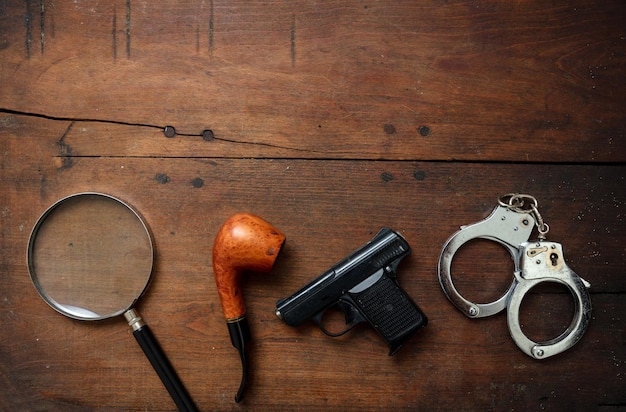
330,120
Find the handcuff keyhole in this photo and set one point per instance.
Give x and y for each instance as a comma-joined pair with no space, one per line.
554,258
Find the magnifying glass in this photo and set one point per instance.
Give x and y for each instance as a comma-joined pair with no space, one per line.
90,258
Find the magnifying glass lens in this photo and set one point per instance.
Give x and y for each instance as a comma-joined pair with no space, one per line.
91,257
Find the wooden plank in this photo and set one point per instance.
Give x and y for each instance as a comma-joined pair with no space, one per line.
326,208
330,120
408,80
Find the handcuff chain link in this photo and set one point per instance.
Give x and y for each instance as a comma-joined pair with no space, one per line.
522,203
542,227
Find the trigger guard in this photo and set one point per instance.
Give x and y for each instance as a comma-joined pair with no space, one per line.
352,317
502,226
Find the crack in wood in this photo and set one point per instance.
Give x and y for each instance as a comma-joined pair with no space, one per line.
162,128
75,119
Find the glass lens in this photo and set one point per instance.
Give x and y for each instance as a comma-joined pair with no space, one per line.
90,256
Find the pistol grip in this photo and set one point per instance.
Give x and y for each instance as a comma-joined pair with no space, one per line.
390,311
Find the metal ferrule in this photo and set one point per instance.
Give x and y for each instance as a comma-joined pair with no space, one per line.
133,319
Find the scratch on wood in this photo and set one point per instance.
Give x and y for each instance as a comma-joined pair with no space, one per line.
293,40
65,150
211,27
198,38
29,27
128,28
114,32
42,24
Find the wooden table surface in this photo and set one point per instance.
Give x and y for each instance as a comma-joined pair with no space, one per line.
330,120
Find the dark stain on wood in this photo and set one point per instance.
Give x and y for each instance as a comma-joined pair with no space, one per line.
128,28
386,176
28,23
162,178
65,150
197,182
293,40
197,38
42,24
211,27
114,32
389,128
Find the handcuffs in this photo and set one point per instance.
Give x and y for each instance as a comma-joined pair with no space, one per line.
510,224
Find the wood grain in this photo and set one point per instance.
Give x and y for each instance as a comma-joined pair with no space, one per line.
330,120
424,80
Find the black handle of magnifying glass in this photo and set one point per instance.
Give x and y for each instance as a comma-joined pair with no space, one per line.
159,362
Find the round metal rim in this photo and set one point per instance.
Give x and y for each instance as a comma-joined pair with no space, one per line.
566,339
33,235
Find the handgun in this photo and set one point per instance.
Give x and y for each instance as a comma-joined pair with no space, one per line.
364,287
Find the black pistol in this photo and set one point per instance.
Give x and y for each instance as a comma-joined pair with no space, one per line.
364,287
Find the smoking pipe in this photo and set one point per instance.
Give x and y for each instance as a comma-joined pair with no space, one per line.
244,243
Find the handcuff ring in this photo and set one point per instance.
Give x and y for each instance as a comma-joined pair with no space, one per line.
518,202
503,226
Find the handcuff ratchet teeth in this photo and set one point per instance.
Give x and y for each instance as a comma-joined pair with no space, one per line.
511,224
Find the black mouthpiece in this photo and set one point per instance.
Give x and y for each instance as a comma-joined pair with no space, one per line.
239,336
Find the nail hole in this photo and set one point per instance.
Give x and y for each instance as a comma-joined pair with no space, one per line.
162,178
389,128
208,135
386,176
424,131
197,182
169,131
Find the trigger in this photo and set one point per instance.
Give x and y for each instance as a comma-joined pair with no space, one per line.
348,311
351,315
